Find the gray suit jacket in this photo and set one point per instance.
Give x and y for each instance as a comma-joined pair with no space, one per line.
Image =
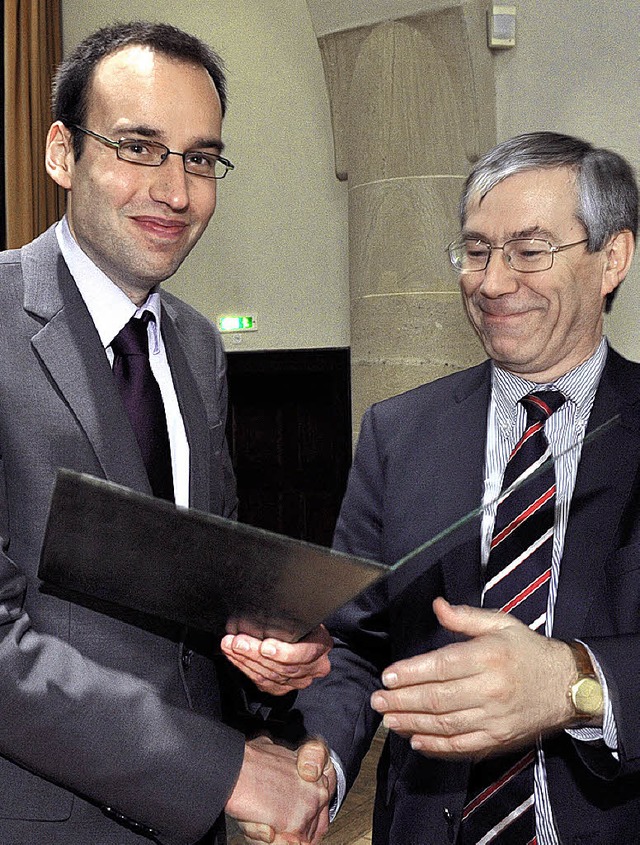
108,730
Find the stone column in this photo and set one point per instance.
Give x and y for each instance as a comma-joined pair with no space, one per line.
412,103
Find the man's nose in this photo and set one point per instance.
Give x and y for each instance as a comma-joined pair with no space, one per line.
498,277
170,183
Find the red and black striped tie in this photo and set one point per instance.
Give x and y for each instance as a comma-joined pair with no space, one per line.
500,805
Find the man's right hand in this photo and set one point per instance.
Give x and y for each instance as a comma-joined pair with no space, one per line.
278,667
281,797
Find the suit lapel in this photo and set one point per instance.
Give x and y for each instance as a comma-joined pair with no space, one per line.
462,450
192,407
604,481
70,350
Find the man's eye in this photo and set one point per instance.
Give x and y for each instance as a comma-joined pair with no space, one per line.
476,251
201,161
138,149
530,254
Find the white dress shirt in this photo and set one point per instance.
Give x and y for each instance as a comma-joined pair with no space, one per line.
111,309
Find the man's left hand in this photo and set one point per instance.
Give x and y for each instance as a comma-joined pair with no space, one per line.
277,667
500,689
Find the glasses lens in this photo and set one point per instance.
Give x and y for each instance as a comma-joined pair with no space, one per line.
528,255
204,164
142,152
469,255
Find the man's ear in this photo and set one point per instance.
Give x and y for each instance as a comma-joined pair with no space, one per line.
618,256
59,158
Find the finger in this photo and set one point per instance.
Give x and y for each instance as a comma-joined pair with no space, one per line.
254,832
284,839
469,686
472,746
242,644
320,828
264,667
290,661
332,778
313,757
314,647
307,651
450,663
248,667
274,685
264,740
436,724
471,621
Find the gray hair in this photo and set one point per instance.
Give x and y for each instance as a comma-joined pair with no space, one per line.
605,181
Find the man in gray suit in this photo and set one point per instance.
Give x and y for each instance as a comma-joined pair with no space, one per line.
111,731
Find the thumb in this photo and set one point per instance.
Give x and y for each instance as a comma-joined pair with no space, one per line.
470,621
254,832
313,757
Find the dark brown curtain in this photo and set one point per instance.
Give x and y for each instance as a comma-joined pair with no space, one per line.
32,50
3,225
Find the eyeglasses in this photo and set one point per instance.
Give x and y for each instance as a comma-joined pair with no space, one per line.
153,154
526,255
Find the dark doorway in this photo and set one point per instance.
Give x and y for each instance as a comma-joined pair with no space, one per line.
289,431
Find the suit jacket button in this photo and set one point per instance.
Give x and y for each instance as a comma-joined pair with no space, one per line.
187,656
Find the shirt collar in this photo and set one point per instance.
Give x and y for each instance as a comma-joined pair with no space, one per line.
578,385
109,306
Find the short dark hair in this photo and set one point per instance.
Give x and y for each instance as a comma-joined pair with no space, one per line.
73,78
605,181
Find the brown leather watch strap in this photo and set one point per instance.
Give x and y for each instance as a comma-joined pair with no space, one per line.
582,658
585,693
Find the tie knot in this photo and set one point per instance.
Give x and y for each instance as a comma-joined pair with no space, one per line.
542,403
132,339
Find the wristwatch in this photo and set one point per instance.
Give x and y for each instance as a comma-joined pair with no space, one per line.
587,697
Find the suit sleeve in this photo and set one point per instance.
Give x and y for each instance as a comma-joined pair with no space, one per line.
616,658
107,735
337,707
612,628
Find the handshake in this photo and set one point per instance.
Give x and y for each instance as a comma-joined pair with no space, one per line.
282,796
288,792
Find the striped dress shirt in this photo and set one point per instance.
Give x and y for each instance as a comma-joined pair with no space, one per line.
565,431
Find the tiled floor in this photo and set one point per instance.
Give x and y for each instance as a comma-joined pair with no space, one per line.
352,825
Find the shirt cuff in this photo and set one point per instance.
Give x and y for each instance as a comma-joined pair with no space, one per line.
608,732
341,786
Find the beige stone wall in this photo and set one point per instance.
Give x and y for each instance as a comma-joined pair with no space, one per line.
278,244
412,105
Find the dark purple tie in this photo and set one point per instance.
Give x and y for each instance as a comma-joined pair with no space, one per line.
500,804
143,402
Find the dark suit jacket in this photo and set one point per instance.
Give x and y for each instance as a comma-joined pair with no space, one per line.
418,467
96,712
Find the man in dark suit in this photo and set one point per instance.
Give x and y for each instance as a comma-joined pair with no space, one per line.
548,231
110,729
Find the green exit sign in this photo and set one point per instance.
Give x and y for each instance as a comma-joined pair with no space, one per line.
237,323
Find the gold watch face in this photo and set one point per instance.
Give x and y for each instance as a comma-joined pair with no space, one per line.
587,697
